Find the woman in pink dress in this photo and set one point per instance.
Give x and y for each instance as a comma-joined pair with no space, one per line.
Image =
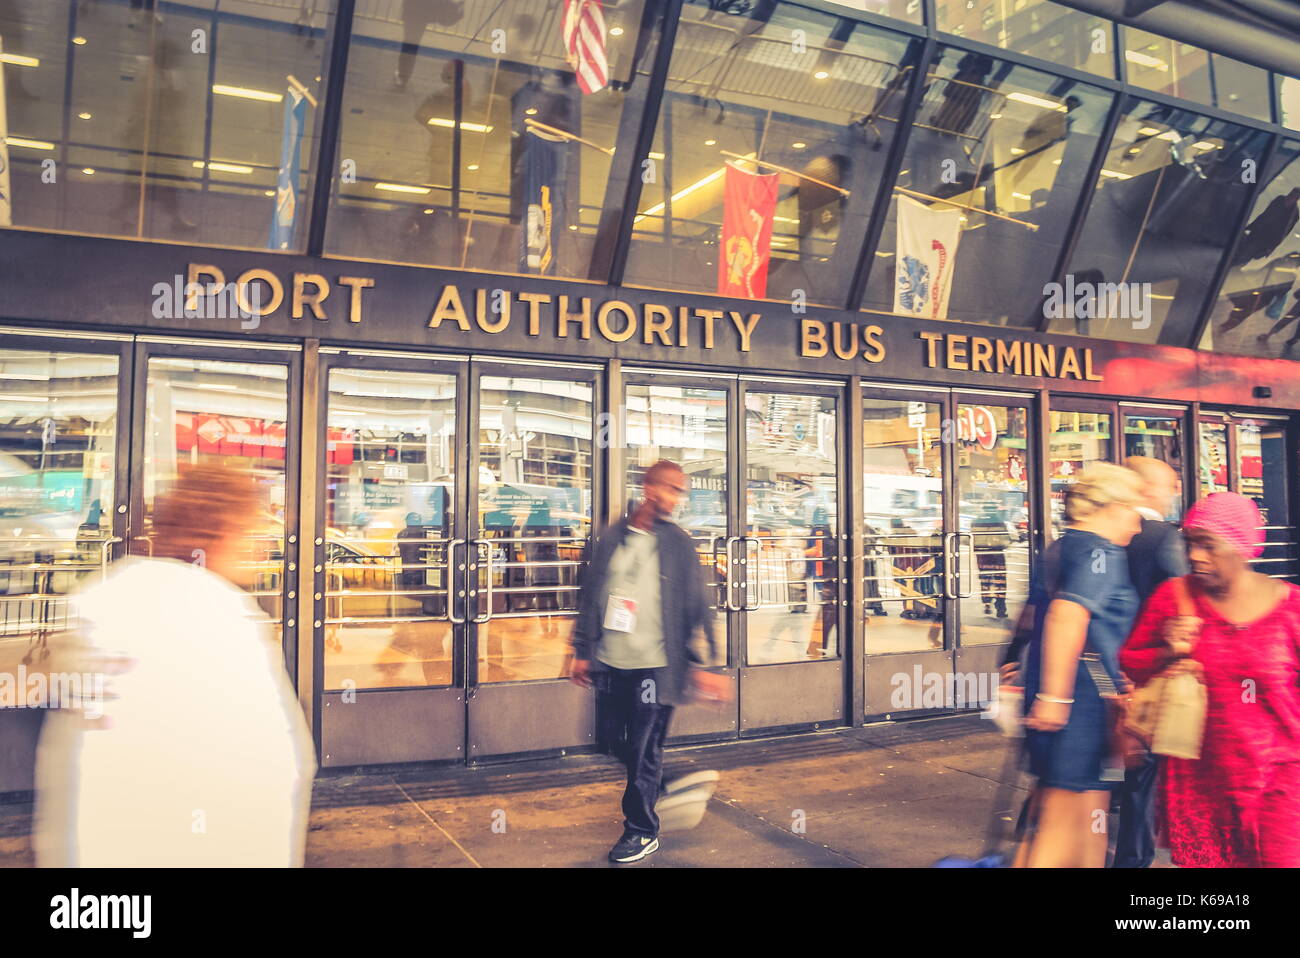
1239,804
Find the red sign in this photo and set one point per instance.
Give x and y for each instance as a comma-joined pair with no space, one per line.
749,206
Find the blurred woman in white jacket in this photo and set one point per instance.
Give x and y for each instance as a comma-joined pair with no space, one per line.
201,756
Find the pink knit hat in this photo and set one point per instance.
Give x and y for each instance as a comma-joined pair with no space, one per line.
1232,517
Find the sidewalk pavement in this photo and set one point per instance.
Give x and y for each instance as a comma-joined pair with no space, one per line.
889,795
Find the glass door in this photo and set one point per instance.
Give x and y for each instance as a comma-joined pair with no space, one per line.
533,478
391,514
208,404
1157,432
1078,434
790,556
948,522
687,420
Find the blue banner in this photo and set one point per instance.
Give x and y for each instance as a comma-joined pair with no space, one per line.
285,216
545,171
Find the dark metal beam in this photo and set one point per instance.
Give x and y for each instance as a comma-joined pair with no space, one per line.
330,121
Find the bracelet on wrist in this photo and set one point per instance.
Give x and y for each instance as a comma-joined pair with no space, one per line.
1054,700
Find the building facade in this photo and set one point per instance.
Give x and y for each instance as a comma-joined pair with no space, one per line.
882,276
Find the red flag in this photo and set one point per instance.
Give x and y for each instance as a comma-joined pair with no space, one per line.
749,206
584,43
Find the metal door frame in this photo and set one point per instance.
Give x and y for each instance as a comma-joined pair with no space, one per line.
530,716
288,355
789,696
400,723
703,722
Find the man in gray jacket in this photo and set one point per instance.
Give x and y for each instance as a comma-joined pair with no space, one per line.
642,600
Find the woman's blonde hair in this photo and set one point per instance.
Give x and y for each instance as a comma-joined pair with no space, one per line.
1100,485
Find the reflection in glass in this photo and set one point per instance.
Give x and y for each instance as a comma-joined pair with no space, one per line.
1075,440
218,413
989,136
1179,69
164,120
903,526
1156,224
1258,310
58,428
389,493
1158,436
1039,28
993,507
534,513
1213,469
792,555
767,148
909,10
475,144
686,425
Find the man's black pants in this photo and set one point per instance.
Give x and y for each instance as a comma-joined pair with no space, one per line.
635,726
1135,845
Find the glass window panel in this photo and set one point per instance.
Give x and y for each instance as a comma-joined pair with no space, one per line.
1039,28
902,506
792,524
390,490
58,430
822,112
503,190
1240,87
175,117
534,507
1156,225
993,506
1157,435
1262,475
1258,309
909,10
219,413
997,137
1213,469
1167,66
1288,102
1075,440
686,425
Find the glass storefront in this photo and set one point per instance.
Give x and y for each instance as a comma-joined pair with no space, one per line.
1076,439
1037,28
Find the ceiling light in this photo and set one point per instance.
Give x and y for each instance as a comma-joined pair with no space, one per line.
451,124
531,111
1117,176
1032,100
403,188
1021,196
995,116
79,41
572,227
30,144
1056,162
247,94
1205,145
89,171
656,156
684,192
1017,151
1148,131
1142,60
83,116
710,142
615,31
15,398
799,145
218,167
269,193
821,75
428,211
19,61
472,167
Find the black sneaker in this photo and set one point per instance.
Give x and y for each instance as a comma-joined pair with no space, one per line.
633,847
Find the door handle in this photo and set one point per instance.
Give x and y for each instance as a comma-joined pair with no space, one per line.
949,563
452,578
486,544
971,537
730,584
757,578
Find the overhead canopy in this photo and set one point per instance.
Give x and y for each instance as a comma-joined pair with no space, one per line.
1265,33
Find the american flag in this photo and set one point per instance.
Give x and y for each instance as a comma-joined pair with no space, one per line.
584,43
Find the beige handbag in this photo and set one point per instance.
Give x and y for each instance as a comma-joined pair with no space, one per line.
1168,713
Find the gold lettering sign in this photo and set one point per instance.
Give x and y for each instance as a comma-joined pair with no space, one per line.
1000,356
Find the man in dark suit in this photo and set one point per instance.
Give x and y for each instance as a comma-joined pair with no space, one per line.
1155,554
